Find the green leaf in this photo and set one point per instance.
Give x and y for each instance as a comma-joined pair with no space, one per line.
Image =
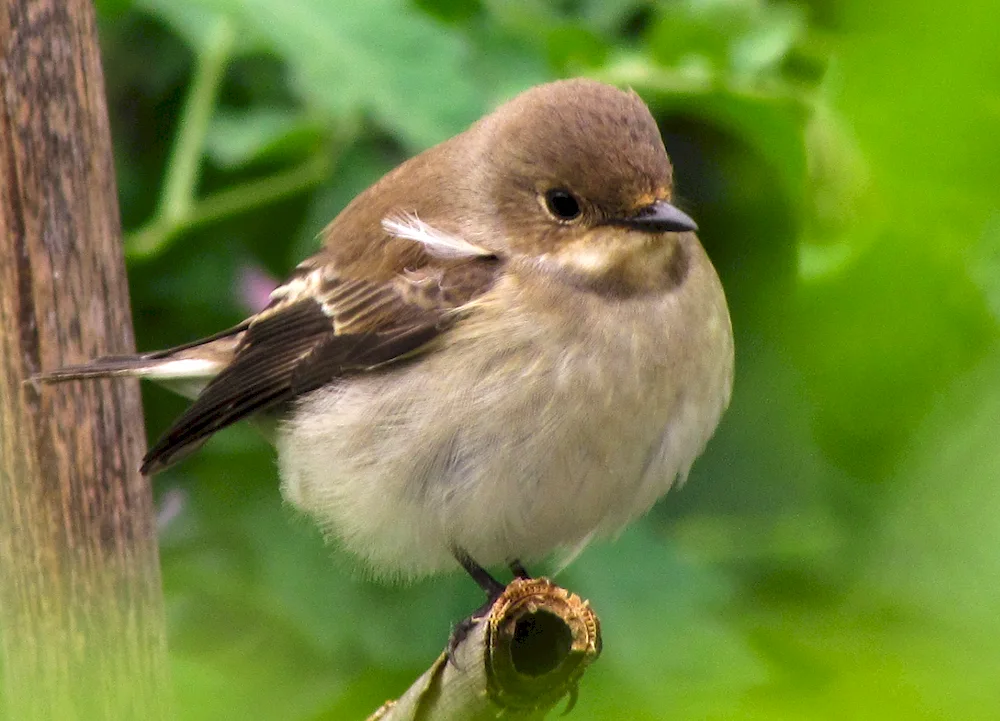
505,61
744,40
986,265
666,644
609,16
380,57
113,9
768,42
573,47
451,11
935,568
196,21
839,224
236,139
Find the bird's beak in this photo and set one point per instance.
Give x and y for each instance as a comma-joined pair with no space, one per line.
658,217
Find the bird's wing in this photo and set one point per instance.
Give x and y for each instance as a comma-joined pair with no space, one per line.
320,325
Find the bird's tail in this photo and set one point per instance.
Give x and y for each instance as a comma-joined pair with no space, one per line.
139,366
185,369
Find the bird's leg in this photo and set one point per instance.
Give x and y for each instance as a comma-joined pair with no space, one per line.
518,569
493,589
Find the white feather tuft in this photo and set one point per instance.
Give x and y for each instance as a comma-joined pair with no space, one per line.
181,368
437,242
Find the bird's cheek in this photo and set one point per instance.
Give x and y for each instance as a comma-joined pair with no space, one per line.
592,252
530,237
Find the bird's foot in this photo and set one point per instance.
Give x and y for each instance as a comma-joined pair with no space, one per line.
461,629
491,587
518,569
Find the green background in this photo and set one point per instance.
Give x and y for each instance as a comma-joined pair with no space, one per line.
836,552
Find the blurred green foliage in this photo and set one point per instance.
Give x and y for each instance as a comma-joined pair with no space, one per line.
836,553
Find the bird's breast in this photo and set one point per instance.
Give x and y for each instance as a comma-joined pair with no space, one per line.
544,415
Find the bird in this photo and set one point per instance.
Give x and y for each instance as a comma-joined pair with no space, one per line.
509,345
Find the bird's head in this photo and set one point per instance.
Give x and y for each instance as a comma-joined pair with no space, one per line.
576,174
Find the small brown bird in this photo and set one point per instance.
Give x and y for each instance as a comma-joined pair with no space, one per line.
509,344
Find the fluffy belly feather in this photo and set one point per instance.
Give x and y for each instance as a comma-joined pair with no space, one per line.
520,435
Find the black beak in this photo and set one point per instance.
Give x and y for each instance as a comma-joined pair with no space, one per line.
660,217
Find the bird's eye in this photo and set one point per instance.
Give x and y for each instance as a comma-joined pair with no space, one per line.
562,204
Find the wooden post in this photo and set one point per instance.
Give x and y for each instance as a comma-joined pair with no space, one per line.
81,610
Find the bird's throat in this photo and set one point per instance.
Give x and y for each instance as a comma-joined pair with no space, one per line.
631,264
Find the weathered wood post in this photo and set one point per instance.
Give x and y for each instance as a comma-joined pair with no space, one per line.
81,611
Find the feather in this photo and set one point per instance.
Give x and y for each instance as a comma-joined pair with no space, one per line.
319,326
437,242
139,366
323,323
185,369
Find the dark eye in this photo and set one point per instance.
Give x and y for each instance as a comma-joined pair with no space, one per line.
562,204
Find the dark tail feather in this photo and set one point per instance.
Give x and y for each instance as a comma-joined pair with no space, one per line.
139,366
186,376
201,359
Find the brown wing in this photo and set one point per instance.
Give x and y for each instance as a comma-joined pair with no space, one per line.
320,326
